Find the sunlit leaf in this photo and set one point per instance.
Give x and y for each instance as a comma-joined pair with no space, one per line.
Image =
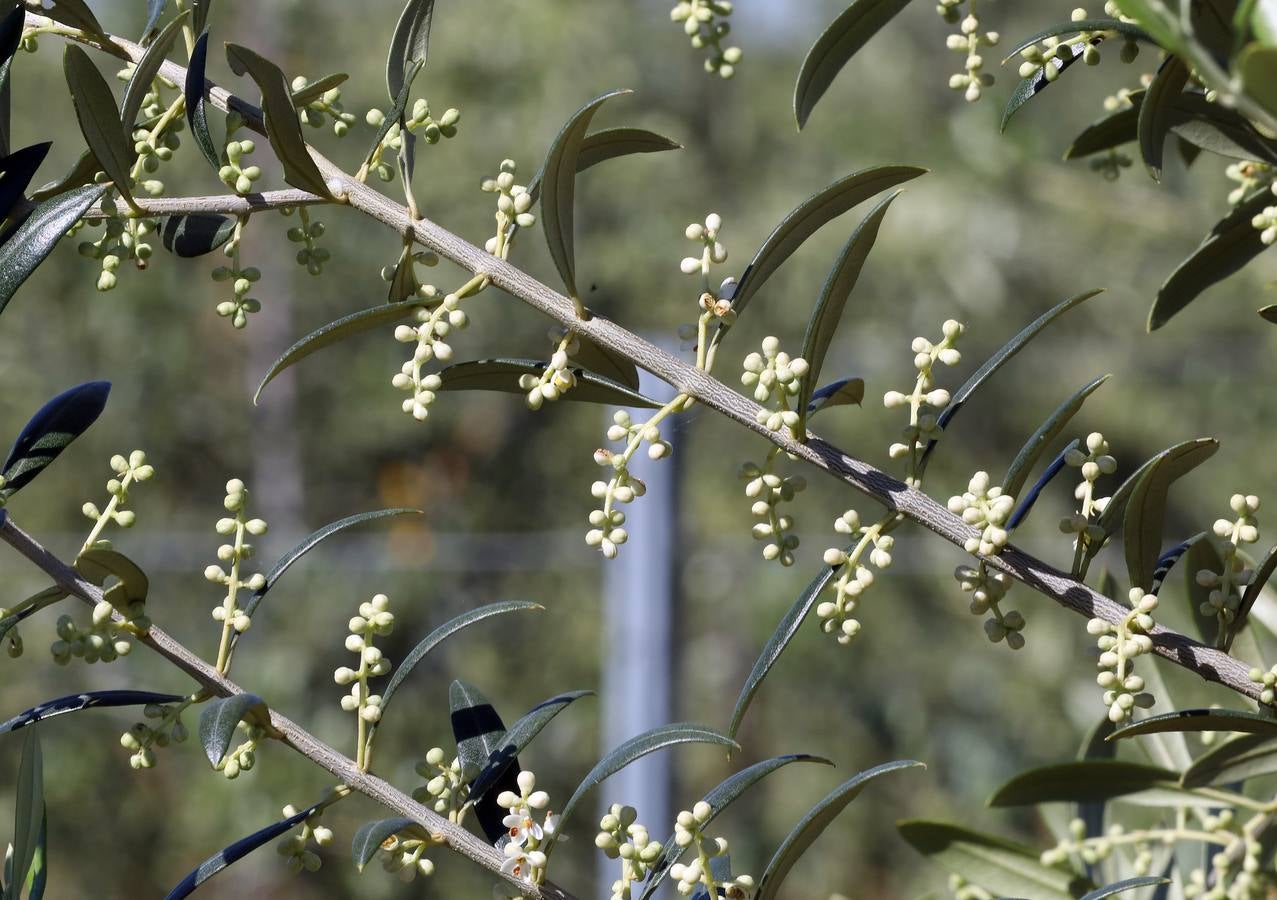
54,426
10,39
95,111
97,564
606,362
836,45
370,836
89,700
28,814
1201,720
1145,513
75,13
1030,87
195,234
843,392
1072,27
518,736
1200,553
503,375
79,175
316,89
221,716
154,10
611,143
1258,69
396,112
147,68
29,243
409,44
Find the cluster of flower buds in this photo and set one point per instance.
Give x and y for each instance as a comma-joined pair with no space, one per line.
420,122
1094,850
1119,645
558,377
689,831
412,285
607,530
1047,56
435,321
622,837
328,104
445,789
310,255
525,857
404,855
705,23
777,380
712,250
1224,599
293,848
1096,461
235,553
128,471
140,738
374,620
926,400
987,508
514,205
121,241
105,639
768,489
853,577
239,178
987,587
240,306
972,79
1265,223
242,757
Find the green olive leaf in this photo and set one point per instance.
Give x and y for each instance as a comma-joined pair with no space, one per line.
1025,506
10,39
316,89
196,109
97,564
1113,130
1127,884
1200,720
1198,553
843,392
75,13
95,110
1030,87
611,143
1145,512
1103,23
1045,434
146,70
510,744
195,234
1263,572
27,243
835,47
1258,69
1155,118
29,823
87,700
370,836
477,728
1082,781
409,44
53,427
19,167
1234,760
221,716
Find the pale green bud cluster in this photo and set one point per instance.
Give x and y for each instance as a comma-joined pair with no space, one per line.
435,321
607,530
1095,850
293,848
622,837
128,471
777,380
235,552
768,490
558,377
987,508
1094,463
242,279
514,205
926,400
1041,57
525,857
1119,646
445,790
854,575
403,856
328,104
419,122
140,739
310,255
426,258
1224,599
705,23
987,588
106,639
972,79
243,757
374,620
689,832
1265,223
121,242
712,250
239,178
1240,877
153,148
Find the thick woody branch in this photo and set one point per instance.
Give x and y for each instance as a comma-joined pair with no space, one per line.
293,735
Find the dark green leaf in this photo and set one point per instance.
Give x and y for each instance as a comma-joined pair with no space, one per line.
999,359
816,821
1263,572
777,643
1258,69
1025,506
235,852
1096,746
558,185
477,727
1129,884
1200,553
1201,720
1234,760
346,326
220,717
605,362
370,837
147,68
80,174
1155,118
19,168
75,13
836,45
50,430
154,10
316,89
844,392
1086,780
10,39
1030,87
1046,433
196,111
833,299
611,143
722,796
1218,129
503,375
195,234
200,10
1232,243
282,126
1001,866
518,736
1146,506
38,601
38,874
396,113
809,216
636,748
27,245
28,814
97,564
95,111
409,44
1111,131
89,700
1166,562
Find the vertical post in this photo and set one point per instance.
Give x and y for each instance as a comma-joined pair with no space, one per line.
638,659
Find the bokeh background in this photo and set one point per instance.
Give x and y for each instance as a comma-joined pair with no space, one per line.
1000,230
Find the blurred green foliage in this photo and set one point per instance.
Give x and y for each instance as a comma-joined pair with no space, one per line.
999,230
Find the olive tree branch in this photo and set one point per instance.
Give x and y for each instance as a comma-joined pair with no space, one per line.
291,734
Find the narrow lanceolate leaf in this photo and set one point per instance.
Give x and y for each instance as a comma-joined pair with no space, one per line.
316,89
1166,562
396,113
154,10
606,362
95,111
38,874
1231,244
36,237
611,143
1114,26
636,748
477,727
195,234
196,111
200,10
1095,746
815,822
1001,358
346,326
1122,887
442,633
370,836
147,68
10,39
37,601
809,217
836,45
1112,131
28,814
1030,87
777,643
409,43
1200,554
50,430
1263,572
282,126
1146,506
843,392
833,300
80,174
722,796
1234,760
75,13
19,168
1025,506
90,700
1045,435
558,187
220,717
1155,117
1218,129
503,375
1001,866
1201,720
518,736
1084,780
235,852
